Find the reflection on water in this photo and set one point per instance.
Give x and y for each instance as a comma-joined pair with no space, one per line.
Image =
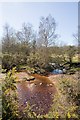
38,93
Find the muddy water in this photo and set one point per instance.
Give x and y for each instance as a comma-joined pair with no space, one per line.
39,93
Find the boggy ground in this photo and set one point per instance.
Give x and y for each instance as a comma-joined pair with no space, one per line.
39,92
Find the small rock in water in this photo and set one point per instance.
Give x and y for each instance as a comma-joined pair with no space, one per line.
40,83
30,78
50,84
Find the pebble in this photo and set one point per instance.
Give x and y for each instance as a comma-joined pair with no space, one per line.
40,83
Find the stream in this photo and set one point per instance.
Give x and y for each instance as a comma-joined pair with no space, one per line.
39,93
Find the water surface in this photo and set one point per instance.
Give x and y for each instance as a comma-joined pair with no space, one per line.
39,93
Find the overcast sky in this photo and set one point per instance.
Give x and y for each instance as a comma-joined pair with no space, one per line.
64,13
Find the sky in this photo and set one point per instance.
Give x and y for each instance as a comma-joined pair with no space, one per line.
64,13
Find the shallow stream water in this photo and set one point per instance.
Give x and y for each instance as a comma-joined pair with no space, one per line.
39,93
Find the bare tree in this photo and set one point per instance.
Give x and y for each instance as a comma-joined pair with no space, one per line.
47,37
25,34
8,41
47,31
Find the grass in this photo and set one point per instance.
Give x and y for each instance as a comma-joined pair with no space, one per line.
67,92
2,76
